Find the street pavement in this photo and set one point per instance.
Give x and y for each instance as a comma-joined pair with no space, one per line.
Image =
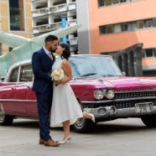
122,137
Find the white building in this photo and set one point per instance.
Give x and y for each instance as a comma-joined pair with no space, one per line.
47,14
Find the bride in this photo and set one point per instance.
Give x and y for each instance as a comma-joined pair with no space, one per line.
65,107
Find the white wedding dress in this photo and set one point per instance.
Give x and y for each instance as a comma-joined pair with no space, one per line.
64,105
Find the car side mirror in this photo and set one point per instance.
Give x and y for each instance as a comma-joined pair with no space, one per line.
123,73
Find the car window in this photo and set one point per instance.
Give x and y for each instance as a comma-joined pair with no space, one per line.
74,69
95,66
14,75
26,73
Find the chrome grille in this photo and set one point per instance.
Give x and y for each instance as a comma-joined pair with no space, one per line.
134,94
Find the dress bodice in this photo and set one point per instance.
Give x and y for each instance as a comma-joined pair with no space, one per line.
57,63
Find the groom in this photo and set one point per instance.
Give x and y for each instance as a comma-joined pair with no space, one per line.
42,62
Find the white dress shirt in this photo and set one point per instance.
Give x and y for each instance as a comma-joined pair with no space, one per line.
46,51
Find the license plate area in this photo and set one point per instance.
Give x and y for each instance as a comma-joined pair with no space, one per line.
145,107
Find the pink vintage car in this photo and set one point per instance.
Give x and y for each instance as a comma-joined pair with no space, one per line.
99,87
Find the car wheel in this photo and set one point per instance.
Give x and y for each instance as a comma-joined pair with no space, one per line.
5,120
149,120
84,125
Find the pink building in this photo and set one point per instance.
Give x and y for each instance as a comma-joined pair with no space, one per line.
117,24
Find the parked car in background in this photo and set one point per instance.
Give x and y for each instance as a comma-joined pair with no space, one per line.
99,87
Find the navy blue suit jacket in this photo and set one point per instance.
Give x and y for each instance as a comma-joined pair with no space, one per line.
42,67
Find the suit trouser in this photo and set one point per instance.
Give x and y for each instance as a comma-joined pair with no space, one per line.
44,102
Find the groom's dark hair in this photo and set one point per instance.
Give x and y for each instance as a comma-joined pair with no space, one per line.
50,38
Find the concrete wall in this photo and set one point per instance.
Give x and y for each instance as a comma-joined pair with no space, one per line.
129,60
83,32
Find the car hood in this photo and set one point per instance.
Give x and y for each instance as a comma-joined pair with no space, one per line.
118,83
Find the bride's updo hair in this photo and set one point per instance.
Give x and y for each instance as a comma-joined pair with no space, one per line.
66,53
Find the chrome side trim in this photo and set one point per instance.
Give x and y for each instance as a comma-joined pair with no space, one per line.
15,100
120,100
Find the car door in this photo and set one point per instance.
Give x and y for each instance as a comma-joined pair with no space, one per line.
10,94
17,96
26,77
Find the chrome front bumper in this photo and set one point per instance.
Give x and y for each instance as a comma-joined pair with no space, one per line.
112,111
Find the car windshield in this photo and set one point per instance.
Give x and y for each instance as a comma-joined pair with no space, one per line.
94,66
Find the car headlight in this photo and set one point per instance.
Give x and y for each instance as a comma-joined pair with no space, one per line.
98,94
109,94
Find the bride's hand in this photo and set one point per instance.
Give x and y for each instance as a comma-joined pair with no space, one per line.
58,82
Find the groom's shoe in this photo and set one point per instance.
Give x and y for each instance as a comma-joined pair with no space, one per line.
50,142
41,141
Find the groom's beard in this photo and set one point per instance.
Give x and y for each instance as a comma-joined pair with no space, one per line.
53,51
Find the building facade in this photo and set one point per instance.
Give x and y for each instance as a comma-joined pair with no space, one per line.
51,15
47,16
118,24
108,26
16,18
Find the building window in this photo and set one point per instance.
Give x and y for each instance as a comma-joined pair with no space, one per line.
112,2
124,27
16,9
110,29
133,26
101,3
154,22
129,26
122,1
108,2
115,1
150,52
140,24
148,23
102,30
117,28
